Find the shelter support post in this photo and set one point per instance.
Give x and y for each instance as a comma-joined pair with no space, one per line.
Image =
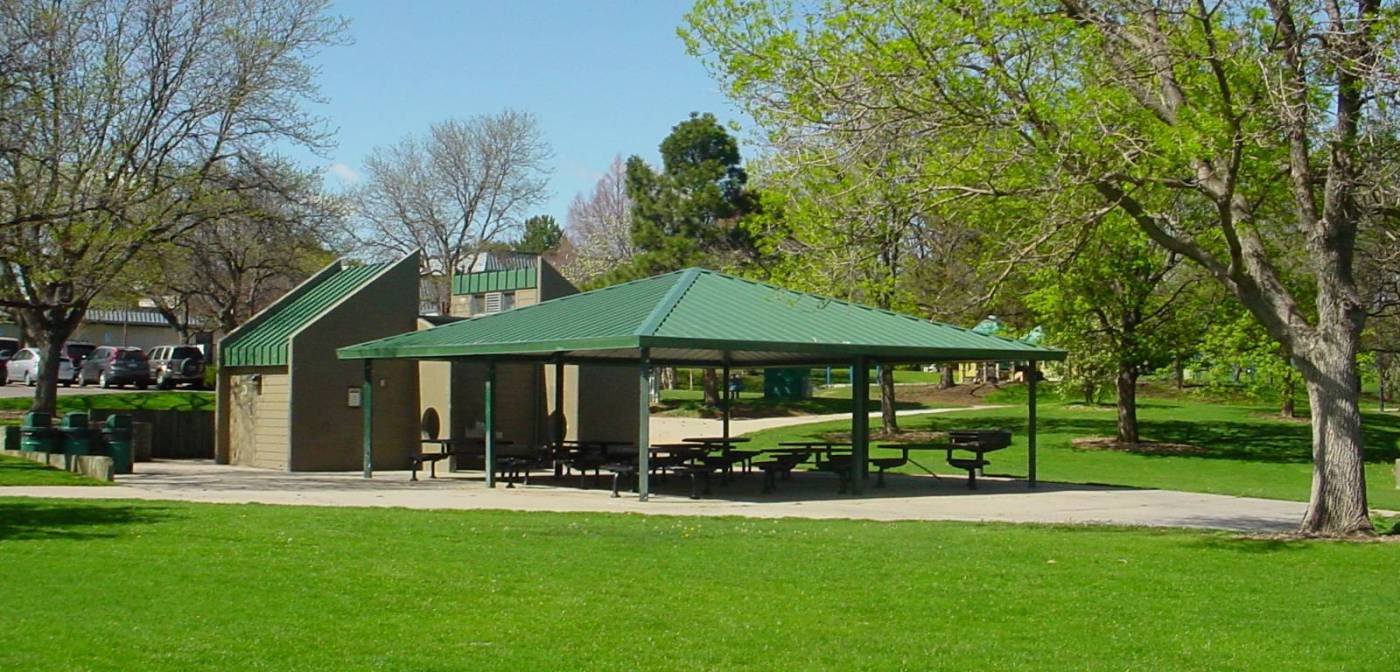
367,417
860,424
1032,376
724,396
559,427
490,424
643,425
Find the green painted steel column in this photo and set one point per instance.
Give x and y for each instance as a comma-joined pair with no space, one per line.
860,424
367,416
643,426
490,403
724,395
559,426
1032,373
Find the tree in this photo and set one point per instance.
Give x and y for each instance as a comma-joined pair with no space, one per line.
600,228
1116,305
687,212
1271,119
270,237
452,193
116,119
542,234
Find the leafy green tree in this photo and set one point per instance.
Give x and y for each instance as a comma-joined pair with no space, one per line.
1251,361
1117,306
119,120
1271,121
541,234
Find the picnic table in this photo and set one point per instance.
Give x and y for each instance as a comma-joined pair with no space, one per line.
725,444
977,442
447,447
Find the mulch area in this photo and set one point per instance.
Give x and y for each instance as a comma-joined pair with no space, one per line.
1139,448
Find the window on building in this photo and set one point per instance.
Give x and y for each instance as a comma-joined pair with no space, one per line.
507,300
476,305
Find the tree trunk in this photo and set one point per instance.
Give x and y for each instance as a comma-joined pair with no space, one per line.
945,382
1338,501
1290,389
49,330
1089,388
1179,368
712,388
888,419
1127,405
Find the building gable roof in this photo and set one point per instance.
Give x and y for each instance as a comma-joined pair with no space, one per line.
265,341
700,316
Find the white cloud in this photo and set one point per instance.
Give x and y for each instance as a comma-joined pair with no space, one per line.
344,173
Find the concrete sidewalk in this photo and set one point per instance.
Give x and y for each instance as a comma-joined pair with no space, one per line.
808,495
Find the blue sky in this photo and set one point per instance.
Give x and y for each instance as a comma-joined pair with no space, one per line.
604,77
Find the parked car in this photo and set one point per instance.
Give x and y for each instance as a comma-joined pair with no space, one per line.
173,365
76,352
113,365
24,366
8,348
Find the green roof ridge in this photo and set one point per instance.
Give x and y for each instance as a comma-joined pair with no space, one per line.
668,303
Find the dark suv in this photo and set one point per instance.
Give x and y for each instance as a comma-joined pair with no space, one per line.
173,365
110,365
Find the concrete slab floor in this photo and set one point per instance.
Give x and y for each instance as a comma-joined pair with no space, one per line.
807,495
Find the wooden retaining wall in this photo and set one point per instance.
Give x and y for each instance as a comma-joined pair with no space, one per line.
174,434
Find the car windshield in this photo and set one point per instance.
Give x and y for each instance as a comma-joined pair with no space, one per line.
131,354
186,352
76,350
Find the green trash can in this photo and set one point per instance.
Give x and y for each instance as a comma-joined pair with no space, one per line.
36,433
77,436
116,433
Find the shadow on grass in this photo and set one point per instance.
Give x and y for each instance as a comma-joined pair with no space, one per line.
763,408
47,519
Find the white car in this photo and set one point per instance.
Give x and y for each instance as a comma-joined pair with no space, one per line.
24,366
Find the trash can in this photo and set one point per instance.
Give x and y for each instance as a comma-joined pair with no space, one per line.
11,437
116,433
77,436
36,433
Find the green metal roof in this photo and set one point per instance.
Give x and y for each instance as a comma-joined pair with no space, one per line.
700,316
494,281
264,343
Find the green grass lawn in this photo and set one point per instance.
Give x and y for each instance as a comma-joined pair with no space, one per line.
156,401
164,586
15,471
1251,451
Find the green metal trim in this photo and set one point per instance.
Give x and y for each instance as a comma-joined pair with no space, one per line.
370,351
1024,353
667,303
495,281
267,344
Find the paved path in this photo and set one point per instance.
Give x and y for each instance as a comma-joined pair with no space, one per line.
808,495
671,430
